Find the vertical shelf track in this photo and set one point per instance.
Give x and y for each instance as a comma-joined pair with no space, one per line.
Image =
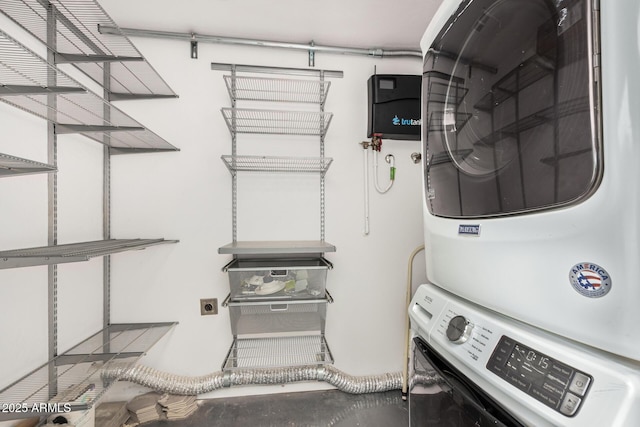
52,189
234,153
106,210
322,136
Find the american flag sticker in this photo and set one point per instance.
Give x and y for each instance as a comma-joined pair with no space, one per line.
590,280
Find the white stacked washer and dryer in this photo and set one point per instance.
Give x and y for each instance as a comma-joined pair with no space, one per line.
531,148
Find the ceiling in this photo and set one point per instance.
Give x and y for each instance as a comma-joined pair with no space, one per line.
367,24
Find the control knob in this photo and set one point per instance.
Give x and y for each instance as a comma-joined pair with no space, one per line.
459,330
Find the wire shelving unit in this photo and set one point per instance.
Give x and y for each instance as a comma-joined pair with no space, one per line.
70,29
80,42
74,377
284,330
296,87
24,83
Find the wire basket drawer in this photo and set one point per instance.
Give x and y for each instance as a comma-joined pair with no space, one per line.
277,279
262,317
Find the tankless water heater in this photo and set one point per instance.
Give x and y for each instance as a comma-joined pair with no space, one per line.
394,106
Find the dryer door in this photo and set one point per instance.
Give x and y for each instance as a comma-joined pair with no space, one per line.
440,396
509,109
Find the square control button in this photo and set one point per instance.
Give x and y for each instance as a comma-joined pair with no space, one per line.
570,404
579,383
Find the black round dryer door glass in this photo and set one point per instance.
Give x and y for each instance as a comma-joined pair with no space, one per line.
509,108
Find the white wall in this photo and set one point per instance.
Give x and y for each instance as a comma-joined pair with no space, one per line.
186,195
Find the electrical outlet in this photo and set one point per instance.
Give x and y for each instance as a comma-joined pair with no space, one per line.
208,306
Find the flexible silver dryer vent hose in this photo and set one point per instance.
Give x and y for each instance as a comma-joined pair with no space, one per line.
182,385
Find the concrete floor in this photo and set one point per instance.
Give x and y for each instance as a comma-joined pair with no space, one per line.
303,409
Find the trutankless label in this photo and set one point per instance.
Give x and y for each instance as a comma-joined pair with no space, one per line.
590,280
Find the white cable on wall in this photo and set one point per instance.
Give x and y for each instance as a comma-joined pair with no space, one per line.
366,188
389,159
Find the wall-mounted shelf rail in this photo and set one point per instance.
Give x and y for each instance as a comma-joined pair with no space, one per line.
277,164
244,88
77,380
12,166
255,121
80,42
24,78
73,252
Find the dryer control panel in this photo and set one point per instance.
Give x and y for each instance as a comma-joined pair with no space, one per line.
557,385
540,378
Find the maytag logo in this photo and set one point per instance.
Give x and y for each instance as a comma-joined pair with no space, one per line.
469,229
406,122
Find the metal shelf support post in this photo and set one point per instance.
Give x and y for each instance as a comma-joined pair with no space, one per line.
322,135
106,207
52,190
234,177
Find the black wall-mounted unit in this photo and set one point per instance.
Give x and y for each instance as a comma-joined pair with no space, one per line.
394,106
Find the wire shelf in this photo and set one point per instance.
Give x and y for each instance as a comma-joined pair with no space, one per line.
437,121
74,377
24,83
524,75
74,252
446,93
79,40
276,247
275,352
277,164
276,89
546,115
12,166
245,120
